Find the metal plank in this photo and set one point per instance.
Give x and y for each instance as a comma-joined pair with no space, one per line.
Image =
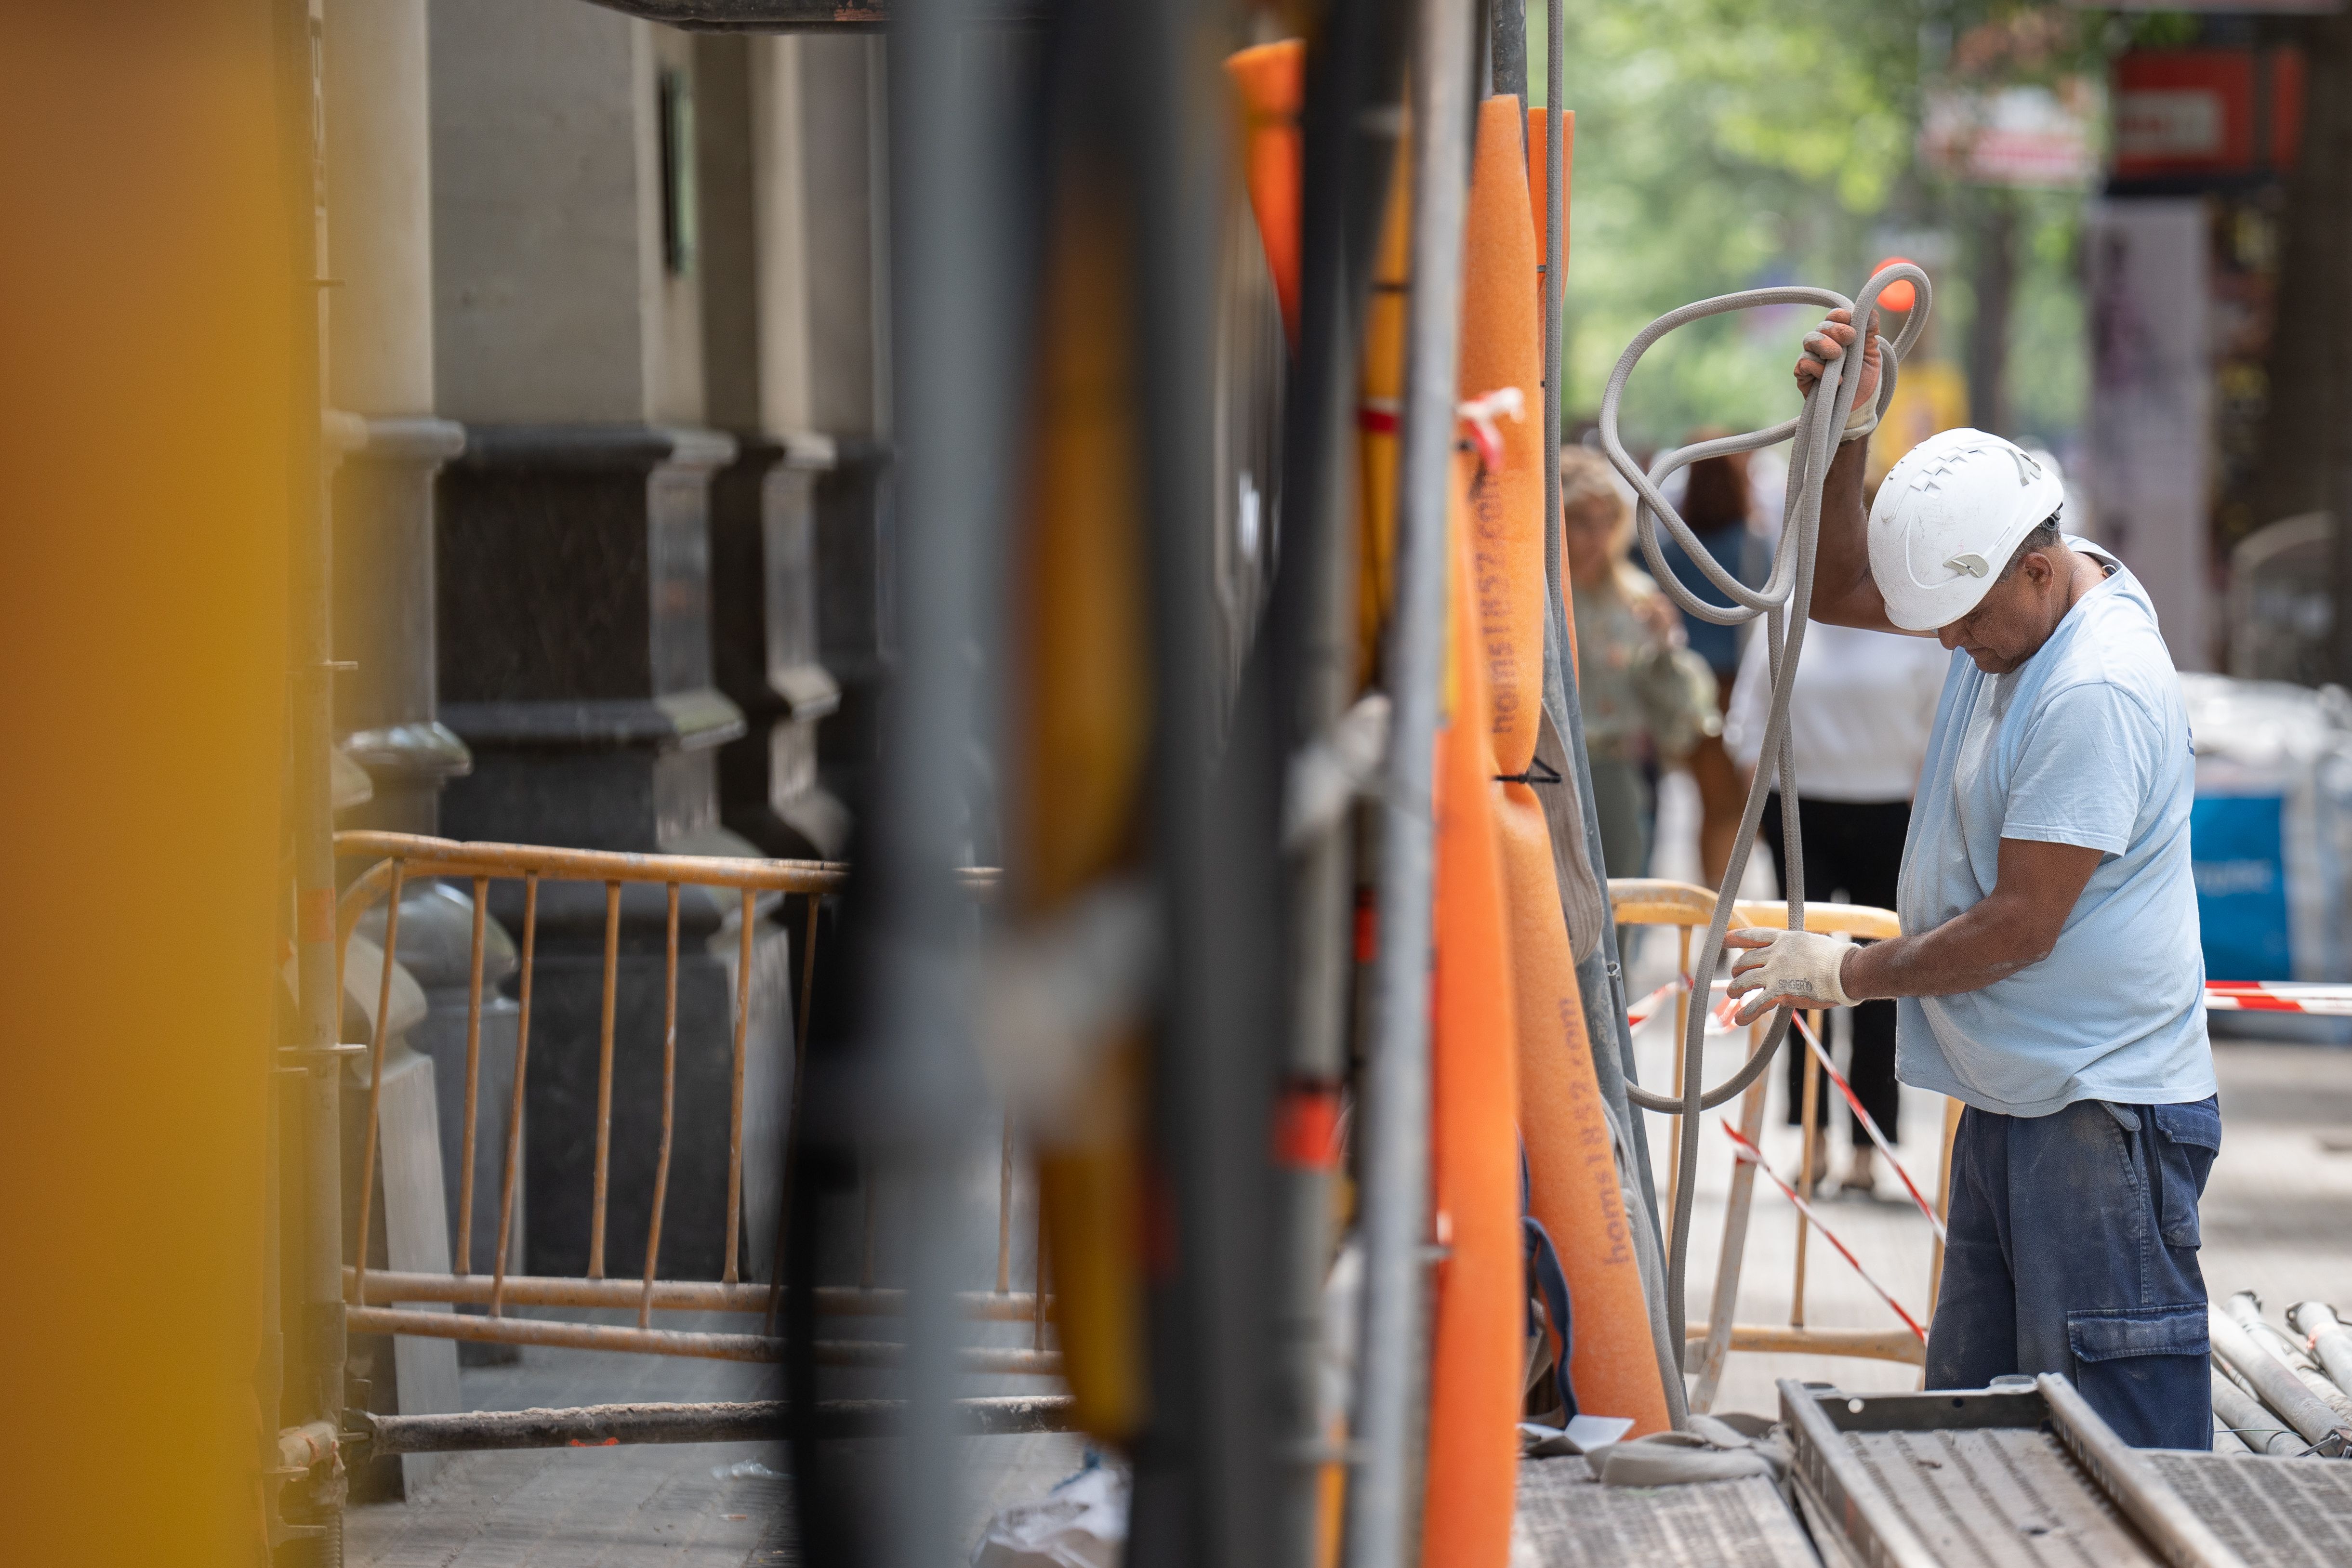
2274,1512
1997,1497
2027,1475
1567,1520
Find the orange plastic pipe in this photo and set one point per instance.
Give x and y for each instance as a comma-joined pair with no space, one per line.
1381,385
1271,82
1081,735
1572,1171
1477,1352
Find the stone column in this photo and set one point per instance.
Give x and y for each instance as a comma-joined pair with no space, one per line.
821,211
764,506
385,445
573,583
380,368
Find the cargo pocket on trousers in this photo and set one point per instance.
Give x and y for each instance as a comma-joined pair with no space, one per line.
2147,1371
2188,1138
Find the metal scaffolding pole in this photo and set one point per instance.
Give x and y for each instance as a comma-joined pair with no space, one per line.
1354,69
1383,1513
954,313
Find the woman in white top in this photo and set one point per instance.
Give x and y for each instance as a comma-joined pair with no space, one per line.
1858,721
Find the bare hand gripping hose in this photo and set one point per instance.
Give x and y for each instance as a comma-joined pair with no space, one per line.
1783,603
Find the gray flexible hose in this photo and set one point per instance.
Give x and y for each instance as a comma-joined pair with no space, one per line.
1783,603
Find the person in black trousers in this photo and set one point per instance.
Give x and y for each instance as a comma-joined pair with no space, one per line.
1859,714
1853,847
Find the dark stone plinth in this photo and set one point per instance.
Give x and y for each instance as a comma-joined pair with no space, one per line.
765,648
574,625
559,1102
594,775
575,563
852,608
574,622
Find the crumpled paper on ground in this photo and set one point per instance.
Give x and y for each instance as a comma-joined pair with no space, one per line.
1081,1523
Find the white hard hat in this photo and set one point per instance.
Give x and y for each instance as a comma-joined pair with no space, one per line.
1946,516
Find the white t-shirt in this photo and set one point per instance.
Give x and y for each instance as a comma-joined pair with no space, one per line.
1858,716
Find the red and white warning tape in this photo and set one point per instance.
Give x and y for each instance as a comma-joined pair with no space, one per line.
2278,997
1755,1157
1640,1013
2313,996
1813,1042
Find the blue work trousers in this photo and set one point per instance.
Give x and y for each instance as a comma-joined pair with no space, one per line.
2073,1249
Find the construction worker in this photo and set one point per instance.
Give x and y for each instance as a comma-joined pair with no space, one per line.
2050,975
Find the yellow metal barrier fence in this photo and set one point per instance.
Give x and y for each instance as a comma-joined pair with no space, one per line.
372,1295
1643,900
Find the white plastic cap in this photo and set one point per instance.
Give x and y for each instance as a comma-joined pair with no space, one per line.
1947,517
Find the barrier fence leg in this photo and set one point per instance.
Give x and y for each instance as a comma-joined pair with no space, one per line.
1807,1177
1725,1305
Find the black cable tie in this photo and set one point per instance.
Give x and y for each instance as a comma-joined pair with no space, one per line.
1549,775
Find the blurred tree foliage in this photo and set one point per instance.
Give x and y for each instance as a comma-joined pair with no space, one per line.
1727,144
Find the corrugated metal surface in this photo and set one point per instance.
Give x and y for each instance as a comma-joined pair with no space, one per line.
2277,1513
1997,1498
1567,1520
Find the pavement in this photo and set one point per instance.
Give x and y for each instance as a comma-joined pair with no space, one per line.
707,1505
700,1505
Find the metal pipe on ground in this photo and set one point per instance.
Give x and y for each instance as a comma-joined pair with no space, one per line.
2330,1337
2253,1426
2275,1384
2247,1308
2329,1394
751,1421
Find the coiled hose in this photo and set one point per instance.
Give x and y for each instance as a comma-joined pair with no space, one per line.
1783,603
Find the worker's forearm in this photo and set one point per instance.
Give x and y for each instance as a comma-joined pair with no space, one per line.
1967,953
1841,561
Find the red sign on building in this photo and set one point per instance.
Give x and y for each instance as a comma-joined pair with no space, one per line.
2184,112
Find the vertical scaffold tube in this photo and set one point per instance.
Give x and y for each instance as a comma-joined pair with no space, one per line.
1382,1513
1347,156
954,309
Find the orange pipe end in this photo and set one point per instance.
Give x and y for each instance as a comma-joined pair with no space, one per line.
1271,82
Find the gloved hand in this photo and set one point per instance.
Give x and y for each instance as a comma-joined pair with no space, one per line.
1801,967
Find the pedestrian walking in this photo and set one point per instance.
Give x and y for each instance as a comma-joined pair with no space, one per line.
1719,506
1646,700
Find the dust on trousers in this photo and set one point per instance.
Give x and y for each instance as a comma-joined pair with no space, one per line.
2073,1249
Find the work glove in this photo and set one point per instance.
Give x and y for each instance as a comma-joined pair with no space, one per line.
1797,967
